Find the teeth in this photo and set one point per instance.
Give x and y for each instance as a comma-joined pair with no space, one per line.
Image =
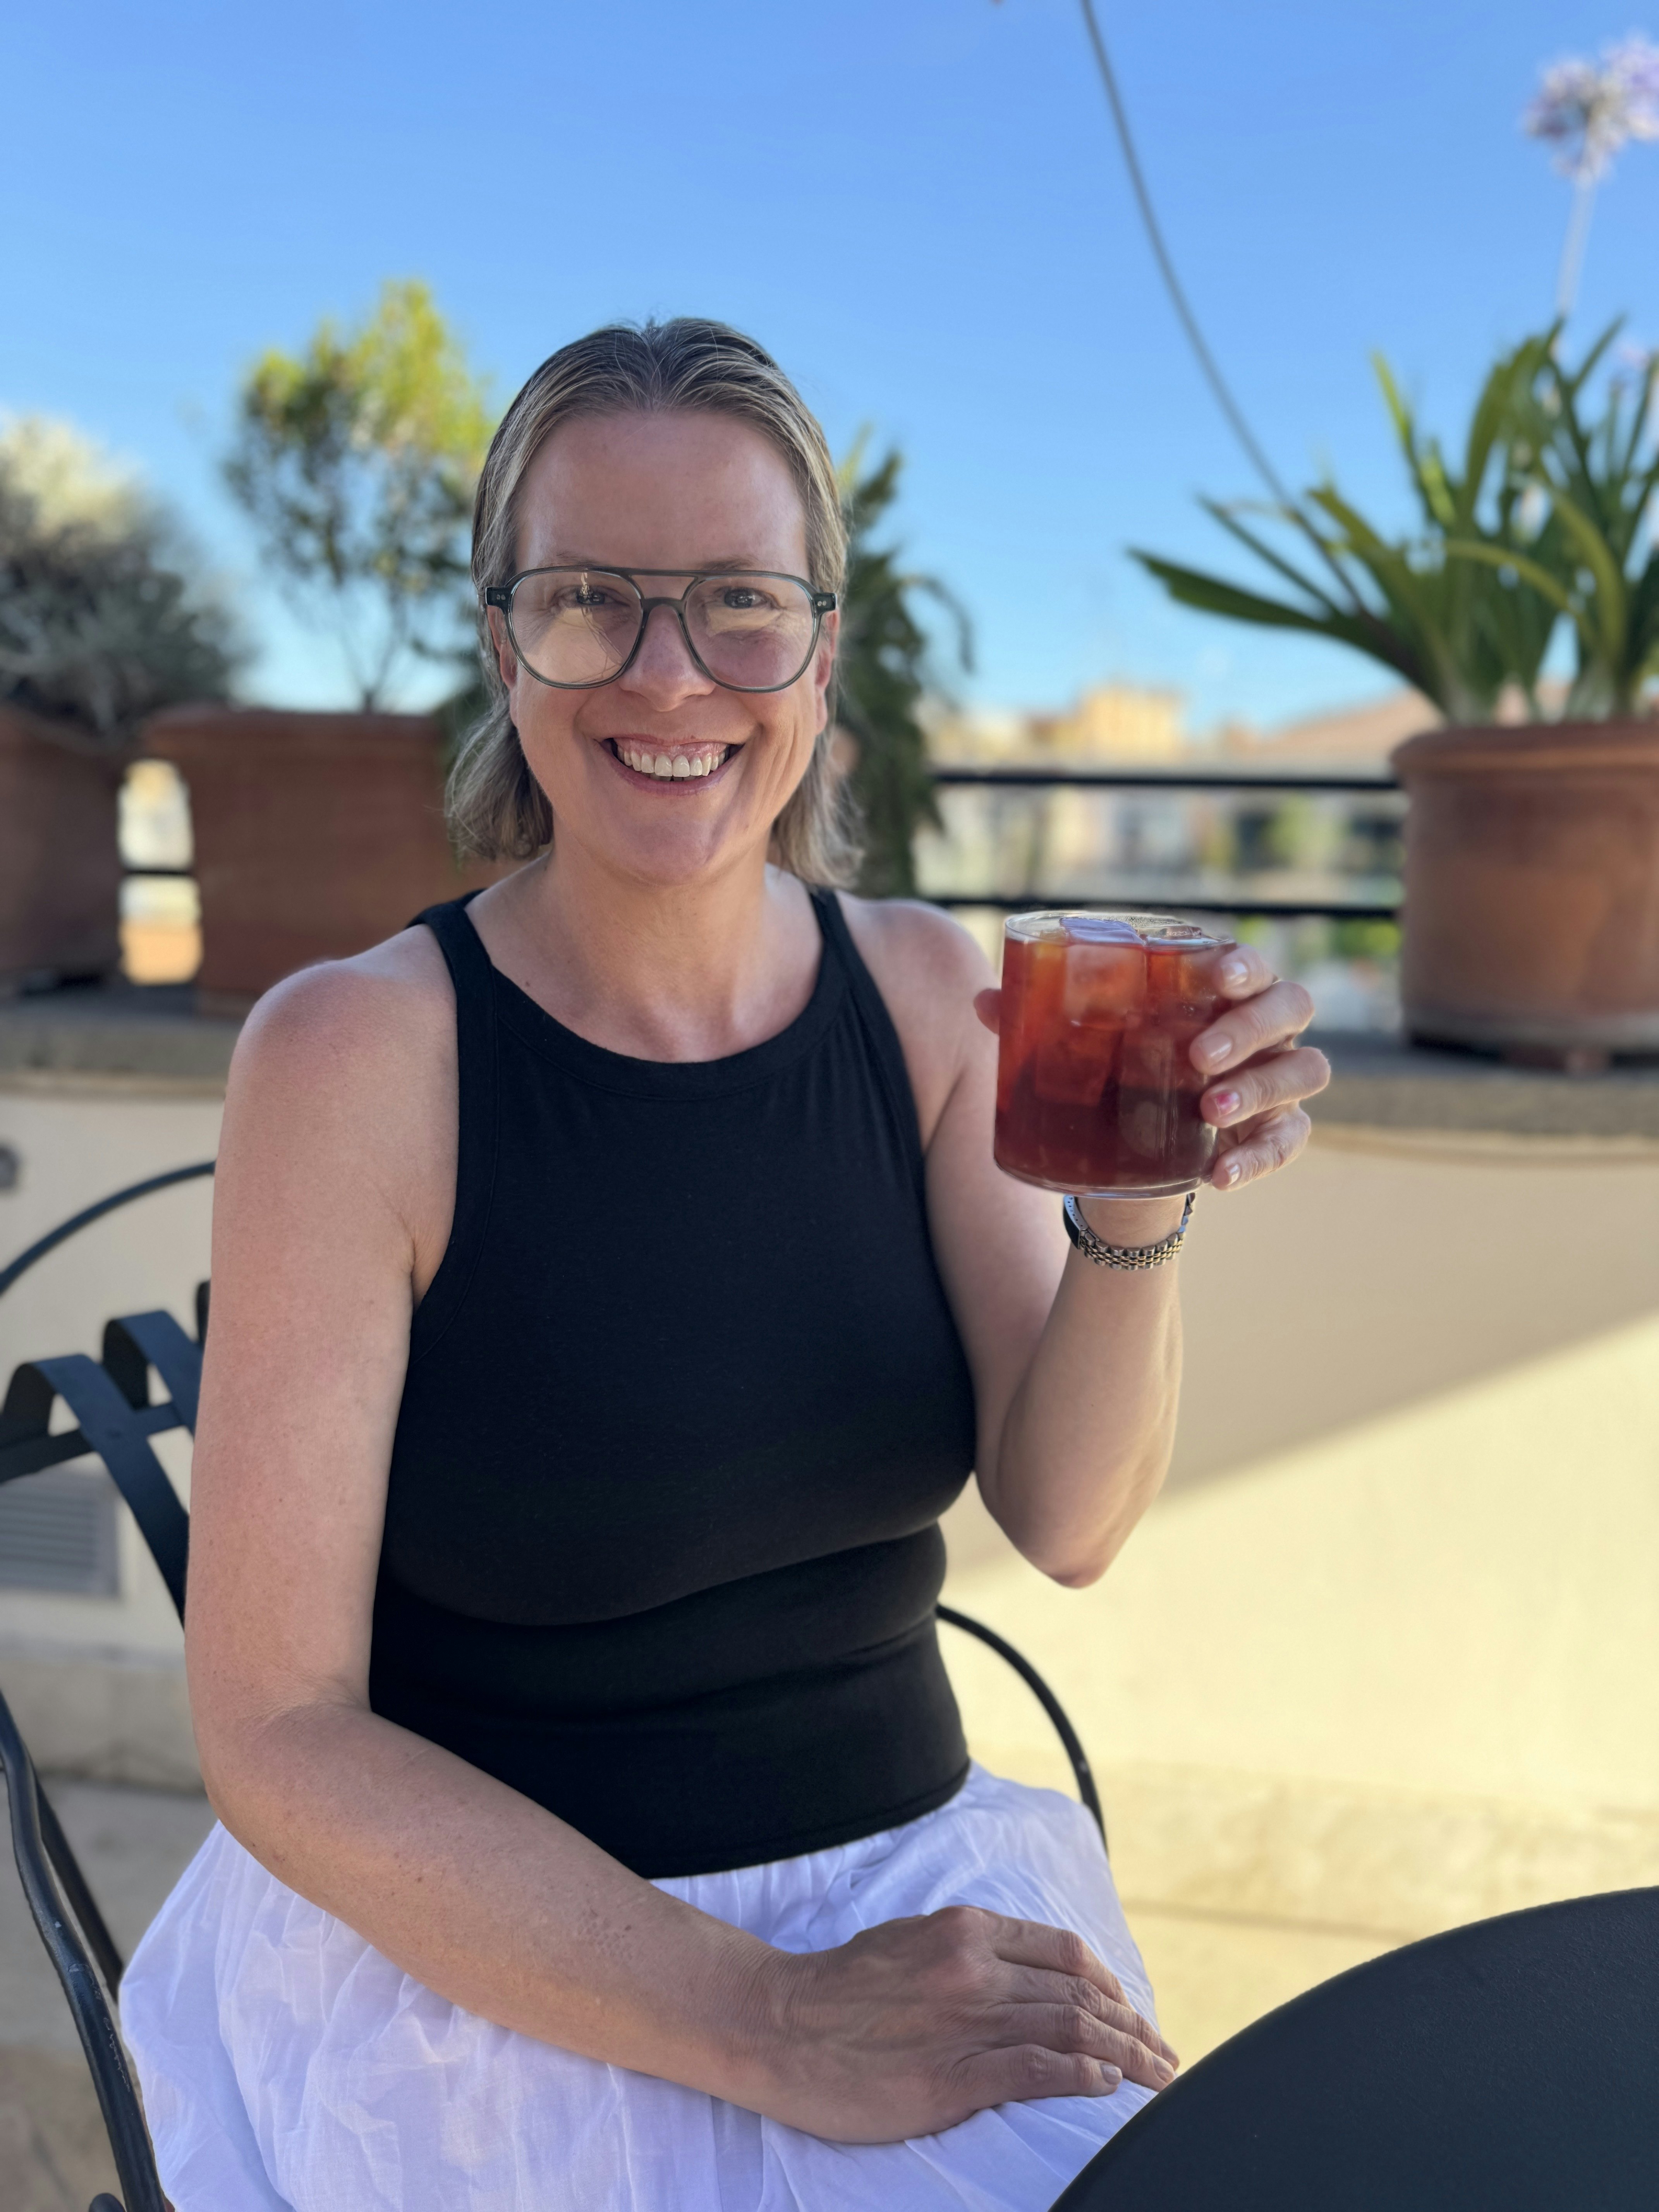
672,766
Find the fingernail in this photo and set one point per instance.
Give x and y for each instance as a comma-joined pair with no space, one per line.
1226,1104
1163,2070
1234,971
1230,1173
1217,1051
1111,2076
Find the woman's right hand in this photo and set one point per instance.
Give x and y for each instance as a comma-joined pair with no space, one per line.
917,2024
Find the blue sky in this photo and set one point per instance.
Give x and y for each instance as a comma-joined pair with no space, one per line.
915,203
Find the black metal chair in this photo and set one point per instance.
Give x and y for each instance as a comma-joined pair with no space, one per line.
109,1400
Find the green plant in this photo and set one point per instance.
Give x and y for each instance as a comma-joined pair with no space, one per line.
356,461
102,621
1545,519
1460,606
1377,941
1599,473
882,671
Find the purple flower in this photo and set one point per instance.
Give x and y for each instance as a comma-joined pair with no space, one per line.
1587,112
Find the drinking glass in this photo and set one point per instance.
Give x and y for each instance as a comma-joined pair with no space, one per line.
1096,1093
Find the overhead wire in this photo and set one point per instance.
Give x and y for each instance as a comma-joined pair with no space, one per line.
1207,361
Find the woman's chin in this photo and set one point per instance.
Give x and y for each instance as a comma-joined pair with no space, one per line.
674,854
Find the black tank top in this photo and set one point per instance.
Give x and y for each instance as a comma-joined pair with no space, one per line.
684,1404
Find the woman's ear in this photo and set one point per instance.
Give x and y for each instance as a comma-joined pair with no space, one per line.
823,666
506,659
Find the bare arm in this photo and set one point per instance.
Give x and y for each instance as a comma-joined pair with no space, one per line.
1077,1368
322,1224
336,1176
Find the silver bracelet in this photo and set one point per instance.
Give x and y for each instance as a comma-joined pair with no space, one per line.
1124,1255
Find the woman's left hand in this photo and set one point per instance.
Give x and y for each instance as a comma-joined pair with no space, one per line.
1258,1073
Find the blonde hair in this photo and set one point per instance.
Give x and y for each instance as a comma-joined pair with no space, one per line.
495,807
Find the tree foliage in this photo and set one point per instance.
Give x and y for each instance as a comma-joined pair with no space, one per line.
101,619
356,461
884,670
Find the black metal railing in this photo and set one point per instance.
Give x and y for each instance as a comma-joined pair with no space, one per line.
1199,780
1194,779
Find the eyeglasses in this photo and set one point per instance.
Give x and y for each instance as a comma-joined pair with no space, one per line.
747,629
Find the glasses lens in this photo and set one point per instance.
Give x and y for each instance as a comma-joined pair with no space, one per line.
753,632
574,625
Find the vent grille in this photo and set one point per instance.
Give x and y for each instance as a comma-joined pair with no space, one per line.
57,1533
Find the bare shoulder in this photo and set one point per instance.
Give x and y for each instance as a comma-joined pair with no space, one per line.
928,969
385,1014
914,948
342,1105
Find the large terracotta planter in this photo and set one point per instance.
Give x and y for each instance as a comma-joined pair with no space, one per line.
1532,889
60,864
315,835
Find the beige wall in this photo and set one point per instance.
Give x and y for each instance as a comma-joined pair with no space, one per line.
1385,1654
79,1139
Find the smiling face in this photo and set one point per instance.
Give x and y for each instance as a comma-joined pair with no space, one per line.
682,492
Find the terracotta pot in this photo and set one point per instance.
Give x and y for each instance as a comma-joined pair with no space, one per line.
1532,889
60,863
315,835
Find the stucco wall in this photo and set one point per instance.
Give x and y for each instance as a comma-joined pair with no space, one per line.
1385,1654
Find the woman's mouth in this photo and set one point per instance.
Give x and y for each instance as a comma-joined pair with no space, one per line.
674,763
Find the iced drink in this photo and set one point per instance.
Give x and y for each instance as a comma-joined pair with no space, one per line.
1096,1088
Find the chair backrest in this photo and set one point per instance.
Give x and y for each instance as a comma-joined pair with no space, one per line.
124,2119
109,1400
110,1403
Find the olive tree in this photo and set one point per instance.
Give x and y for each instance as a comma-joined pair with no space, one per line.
102,616
356,461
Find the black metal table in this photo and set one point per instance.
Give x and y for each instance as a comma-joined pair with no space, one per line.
1510,2066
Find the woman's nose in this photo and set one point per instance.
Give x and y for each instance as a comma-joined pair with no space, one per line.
663,667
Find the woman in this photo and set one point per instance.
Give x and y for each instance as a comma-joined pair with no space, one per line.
612,1287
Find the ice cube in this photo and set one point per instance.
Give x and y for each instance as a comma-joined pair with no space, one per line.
1105,971
1181,977
1177,932
1072,1066
1100,929
1149,1059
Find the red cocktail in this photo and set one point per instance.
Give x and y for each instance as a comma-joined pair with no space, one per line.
1096,1088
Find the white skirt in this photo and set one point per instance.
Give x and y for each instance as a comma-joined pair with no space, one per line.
288,2067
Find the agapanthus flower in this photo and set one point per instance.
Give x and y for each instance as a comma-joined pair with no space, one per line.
1588,111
